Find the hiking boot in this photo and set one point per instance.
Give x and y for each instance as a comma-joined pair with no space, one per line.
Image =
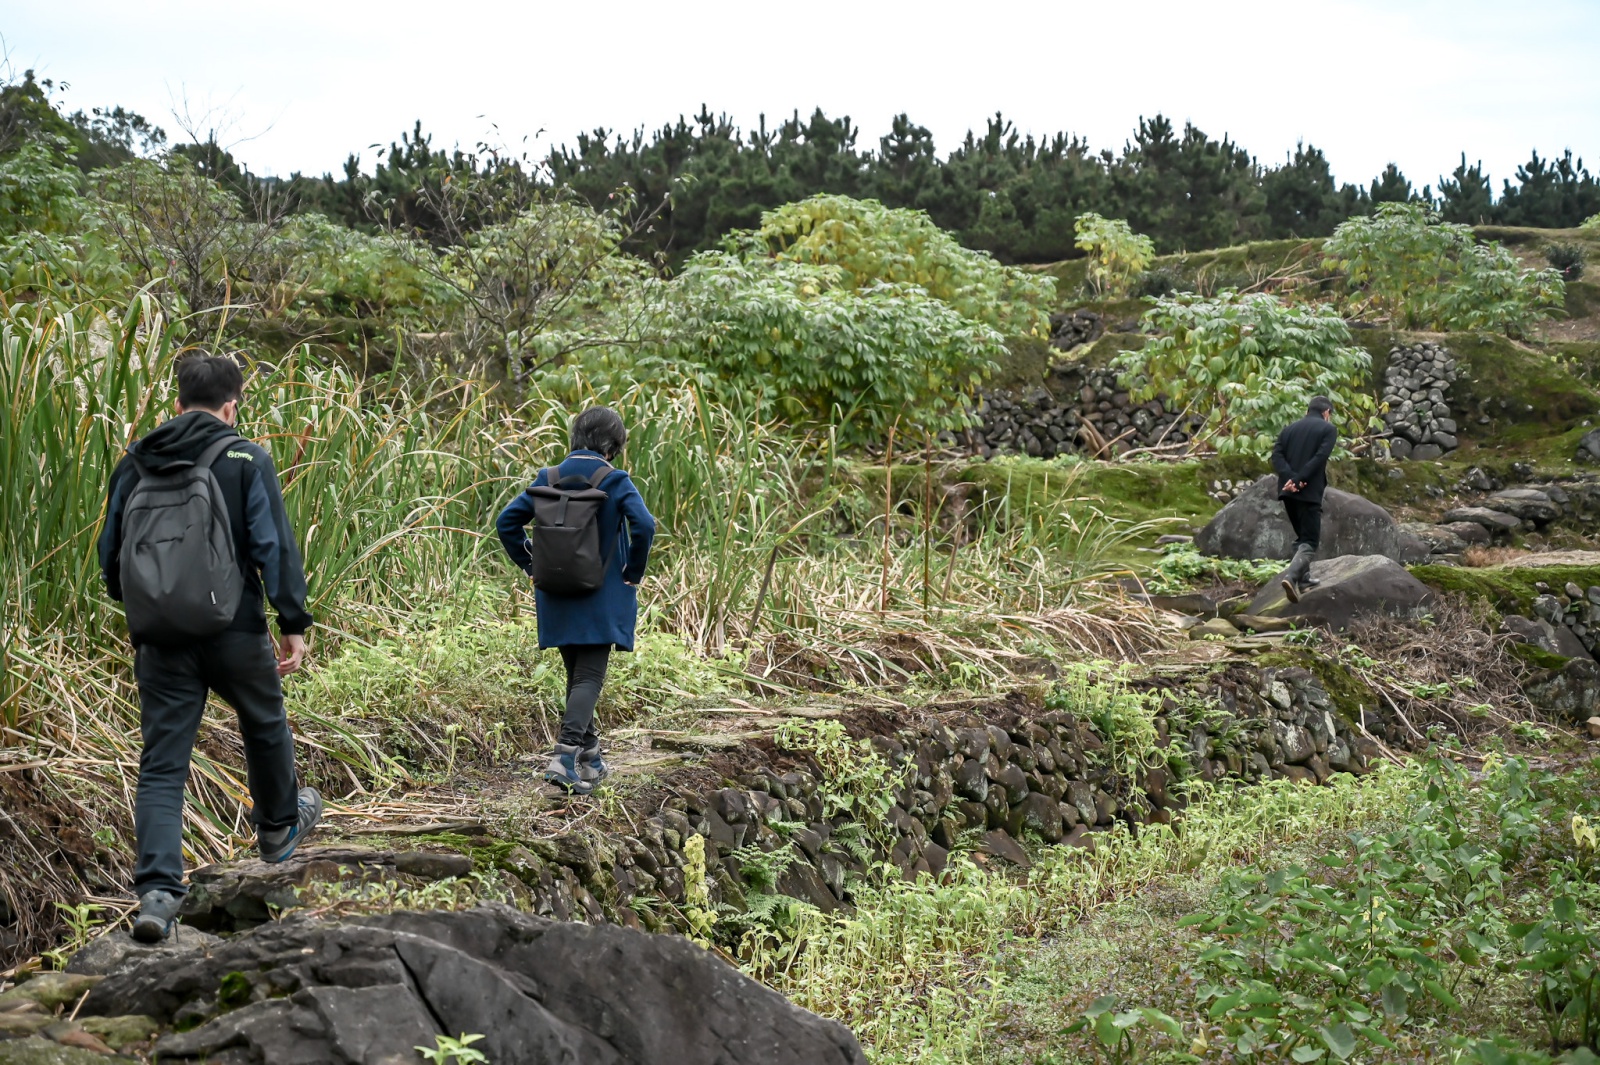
563,769
277,844
1295,578
592,767
157,911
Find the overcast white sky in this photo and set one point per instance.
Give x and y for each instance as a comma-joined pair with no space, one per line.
1368,81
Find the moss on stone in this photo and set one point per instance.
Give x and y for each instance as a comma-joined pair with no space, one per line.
1131,491
1509,589
1536,385
1538,657
1350,694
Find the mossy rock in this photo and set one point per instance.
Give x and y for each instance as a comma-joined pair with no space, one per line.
1538,657
1583,297
1129,491
1029,361
1350,694
1509,589
1024,366
1102,351
1540,388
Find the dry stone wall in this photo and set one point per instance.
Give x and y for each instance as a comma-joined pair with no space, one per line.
1079,410
1416,387
993,776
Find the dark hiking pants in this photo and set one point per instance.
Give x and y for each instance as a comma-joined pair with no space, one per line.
1307,521
586,673
173,682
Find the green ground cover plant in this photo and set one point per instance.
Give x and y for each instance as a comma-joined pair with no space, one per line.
1461,932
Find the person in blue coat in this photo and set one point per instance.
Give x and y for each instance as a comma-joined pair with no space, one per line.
586,628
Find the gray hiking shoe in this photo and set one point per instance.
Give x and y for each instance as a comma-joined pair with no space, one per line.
592,767
563,770
157,911
277,844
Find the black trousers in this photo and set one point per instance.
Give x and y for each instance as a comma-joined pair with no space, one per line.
586,674
1306,517
173,683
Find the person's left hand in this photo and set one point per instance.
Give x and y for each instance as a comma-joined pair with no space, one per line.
291,654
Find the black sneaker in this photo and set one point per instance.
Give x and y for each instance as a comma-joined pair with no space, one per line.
157,911
277,844
1290,592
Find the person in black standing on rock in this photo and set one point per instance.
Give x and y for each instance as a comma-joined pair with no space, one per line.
585,623
1300,459
195,538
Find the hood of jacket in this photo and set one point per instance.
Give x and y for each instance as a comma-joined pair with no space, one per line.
178,440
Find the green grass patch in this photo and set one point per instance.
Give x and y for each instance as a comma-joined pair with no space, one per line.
1538,387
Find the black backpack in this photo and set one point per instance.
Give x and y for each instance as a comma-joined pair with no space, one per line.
564,541
180,575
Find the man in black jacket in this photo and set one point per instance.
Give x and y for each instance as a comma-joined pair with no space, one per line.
1300,458
240,664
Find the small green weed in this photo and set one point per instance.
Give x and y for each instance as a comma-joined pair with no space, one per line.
450,1051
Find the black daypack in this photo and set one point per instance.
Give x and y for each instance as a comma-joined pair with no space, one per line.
180,575
565,540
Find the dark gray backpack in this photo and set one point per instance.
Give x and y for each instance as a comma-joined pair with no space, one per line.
564,541
180,576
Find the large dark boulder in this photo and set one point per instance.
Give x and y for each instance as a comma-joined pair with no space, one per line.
1350,586
1254,525
366,991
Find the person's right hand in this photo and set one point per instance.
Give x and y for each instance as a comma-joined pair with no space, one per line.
291,654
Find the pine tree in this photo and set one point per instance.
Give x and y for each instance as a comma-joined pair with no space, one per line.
1465,196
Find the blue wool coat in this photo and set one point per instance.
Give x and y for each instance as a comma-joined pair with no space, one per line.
609,613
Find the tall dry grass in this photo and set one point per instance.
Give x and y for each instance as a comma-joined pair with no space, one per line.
772,549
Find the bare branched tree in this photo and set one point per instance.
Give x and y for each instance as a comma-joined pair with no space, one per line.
204,249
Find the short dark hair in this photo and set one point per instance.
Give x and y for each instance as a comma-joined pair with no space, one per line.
599,429
1319,404
208,381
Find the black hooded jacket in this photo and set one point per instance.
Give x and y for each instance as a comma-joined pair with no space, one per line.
262,539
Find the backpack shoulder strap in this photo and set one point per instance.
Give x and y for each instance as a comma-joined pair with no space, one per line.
212,452
215,450
601,474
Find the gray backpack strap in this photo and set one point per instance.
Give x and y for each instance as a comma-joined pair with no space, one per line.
601,474
215,450
212,452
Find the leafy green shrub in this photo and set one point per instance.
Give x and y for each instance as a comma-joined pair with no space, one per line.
332,269
1251,362
1116,1030
1567,260
1592,222
1562,952
1117,254
1422,273
798,341
873,245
